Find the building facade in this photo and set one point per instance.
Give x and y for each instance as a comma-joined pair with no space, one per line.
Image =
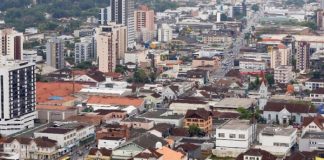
165,33
85,50
303,56
55,53
144,23
283,74
17,95
201,118
111,46
280,55
11,44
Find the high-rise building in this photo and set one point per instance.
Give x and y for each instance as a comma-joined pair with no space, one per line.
85,50
280,55
111,46
17,96
122,12
144,23
302,56
55,53
11,44
105,15
319,19
283,74
165,33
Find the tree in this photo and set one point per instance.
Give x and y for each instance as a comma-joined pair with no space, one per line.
248,114
270,79
257,81
83,65
120,69
194,130
140,76
255,7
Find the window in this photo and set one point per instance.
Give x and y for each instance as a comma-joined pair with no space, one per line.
241,136
221,135
232,136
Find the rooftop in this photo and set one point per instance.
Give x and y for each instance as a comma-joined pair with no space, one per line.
239,102
115,101
272,131
236,124
52,130
162,114
313,135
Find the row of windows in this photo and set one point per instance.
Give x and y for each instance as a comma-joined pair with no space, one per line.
240,136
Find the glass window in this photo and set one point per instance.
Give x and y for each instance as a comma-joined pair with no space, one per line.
232,135
221,134
241,136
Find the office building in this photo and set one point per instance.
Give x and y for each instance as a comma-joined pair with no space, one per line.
11,44
55,53
302,56
85,50
144,23
17,96
165,33
111,46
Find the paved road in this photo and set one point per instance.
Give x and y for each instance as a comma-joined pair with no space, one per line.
232,53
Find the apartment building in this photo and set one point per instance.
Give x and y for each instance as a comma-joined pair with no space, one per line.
11,44
199,117
303,56
165,33
85,51
17,95
280,55
283,74
55,53
144,23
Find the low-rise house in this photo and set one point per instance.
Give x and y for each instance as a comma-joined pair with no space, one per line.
106,102
198,75
252,65
234,137
311,141
199,117
313,84
68,134
317,94
110,116
133,122
113,130
181,106
96,153
149,154
137,145
50,113
227,105
313,124
276,140
206,143
205,61
161,130
168,154
256,154
164,116
110,142
28,148
283,112
305,155
193,151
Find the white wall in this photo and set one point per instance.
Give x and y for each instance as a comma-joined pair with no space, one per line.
110,144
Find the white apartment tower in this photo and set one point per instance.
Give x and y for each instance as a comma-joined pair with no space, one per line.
165,33
11,44
17,96
55,53
85,50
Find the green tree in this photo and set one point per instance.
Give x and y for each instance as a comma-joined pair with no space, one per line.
248,114
255,7
84,65
270,79
140,76
120,69
257,81
194,130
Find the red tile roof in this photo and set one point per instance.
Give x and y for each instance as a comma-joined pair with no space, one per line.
257,152
292,107
122,101
319,120
200,113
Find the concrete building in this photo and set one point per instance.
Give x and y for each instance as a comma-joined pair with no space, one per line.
104,16
165,33
17,95
319,19
303,56
111,46
55,53
11,44
67,134
122,12
85,51
313,84
277,141
234,137
199,117
280,55
252,65
110,142
311,141
144,23
283,74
